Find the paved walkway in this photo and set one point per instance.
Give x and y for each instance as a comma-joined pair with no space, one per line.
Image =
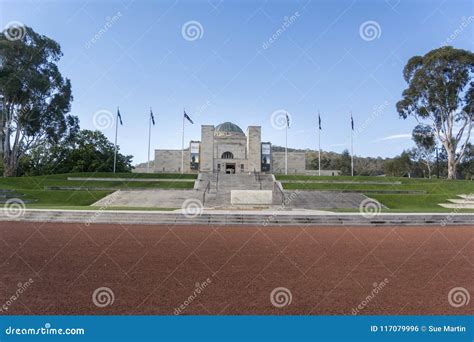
156,198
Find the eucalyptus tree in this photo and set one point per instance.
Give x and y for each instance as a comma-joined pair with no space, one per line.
36,97
440,96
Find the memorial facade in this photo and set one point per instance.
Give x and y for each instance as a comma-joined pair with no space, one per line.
226,148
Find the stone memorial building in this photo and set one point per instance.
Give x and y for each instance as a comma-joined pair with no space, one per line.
226,148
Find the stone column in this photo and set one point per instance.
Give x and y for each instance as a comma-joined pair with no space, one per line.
254,151
207,149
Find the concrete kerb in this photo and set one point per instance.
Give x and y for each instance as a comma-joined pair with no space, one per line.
240,217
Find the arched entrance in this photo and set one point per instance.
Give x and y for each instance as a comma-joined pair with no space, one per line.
229,167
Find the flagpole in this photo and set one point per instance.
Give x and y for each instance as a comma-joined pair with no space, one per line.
182,147
352,147
286,149
149,142
319,142
116,132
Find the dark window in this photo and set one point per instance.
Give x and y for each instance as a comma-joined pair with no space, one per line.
227,155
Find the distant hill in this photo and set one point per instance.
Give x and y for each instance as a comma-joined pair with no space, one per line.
367,166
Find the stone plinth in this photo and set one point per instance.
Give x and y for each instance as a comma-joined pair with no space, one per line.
253,197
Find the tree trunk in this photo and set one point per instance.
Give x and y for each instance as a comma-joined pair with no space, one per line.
451,166
9,168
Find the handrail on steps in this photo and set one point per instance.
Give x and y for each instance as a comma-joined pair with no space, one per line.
275,185
206,189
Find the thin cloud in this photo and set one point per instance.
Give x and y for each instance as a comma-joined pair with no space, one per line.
394,137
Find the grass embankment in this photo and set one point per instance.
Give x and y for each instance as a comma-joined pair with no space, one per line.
416,195
37,189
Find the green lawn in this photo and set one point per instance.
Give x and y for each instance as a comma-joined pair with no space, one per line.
77,207
35,189
130,175
427,193
425,197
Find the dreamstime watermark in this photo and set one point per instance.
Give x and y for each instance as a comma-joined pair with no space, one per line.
280,118
103,119
103,296
465,22
21,287
369,208
370,30
287,22
458,296
376,112
47,329
192,207
14,208
281,297
392,3
202,108
199,288
14,30
457,208
377,288
105,204
109,22
287,200
192,30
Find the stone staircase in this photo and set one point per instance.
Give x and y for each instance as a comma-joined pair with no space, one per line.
221,185
326,200
463,202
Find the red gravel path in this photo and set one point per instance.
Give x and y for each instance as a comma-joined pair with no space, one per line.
154,269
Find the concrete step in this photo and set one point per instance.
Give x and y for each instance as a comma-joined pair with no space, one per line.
463,202
457,205
302,199
269,218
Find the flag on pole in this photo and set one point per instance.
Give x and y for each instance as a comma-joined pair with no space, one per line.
186,116
319,119
352,122
119,117
287,120
152,117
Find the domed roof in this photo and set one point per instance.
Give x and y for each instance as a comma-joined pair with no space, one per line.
228,127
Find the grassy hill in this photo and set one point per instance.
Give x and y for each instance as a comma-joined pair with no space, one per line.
397,194
58,191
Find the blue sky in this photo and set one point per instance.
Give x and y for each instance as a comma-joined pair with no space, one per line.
133,54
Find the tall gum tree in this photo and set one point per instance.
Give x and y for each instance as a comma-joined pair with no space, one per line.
36,97
440,96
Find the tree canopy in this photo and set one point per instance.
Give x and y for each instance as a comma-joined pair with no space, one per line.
440,96
36,96
86,151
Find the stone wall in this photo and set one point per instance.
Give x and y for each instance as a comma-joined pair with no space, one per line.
170,161
254,149
296,162
323,172
235,145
